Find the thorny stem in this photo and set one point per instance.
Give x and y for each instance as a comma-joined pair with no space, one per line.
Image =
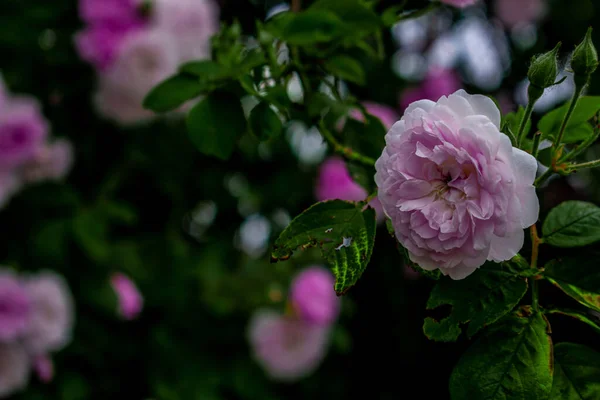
589,164
576,94
347,152
524,121
535,244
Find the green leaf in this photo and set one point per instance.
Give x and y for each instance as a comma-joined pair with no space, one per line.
586,108
205,70
435,274
353,12
215,123
264,122
367,136
347,68
480,300
90,231
312,27
585,318
512,361
172,93
578,133
579,277
576,373
572,224
344,232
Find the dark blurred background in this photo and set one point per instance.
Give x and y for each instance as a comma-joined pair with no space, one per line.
199,280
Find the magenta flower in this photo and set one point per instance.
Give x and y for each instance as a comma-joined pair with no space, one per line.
14,368
123,12
386,115
15,307
313,297
288,349
23,131
460,3
438,82
130,300
52,313
44,368
457,192
53,161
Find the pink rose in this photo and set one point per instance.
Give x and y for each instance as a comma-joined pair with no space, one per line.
52,313
23,131
14,368
53,161
519,12
457,192
460,3
130,300
123,12
146,58
438,82
313,297
15,307
288,349
191,22
44,368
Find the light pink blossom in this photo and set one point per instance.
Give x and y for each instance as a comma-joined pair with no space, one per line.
438,82
52,316
457,192
513,13
146,58
130,300
191,22
9,185
313,297
288,349
23,130
460,3
53,161
14,368
15,307
44,368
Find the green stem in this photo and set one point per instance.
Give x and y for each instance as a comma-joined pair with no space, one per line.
589,164
542,177
347,152
526,117
536,143
534,294
535,245
574,99
304,82
583,146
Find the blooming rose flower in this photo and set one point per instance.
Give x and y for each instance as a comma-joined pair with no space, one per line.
191,22
15,307
52,316
438,82
288,349
146,58
53,161
313,297
44,368
129,297
14,368
460,3
456,190
23,131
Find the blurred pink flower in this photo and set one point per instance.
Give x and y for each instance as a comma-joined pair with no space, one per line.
460,3
334,182
146,58
387,115
44,368
130,300
124,12
519,12
437,83
313,297
15,307
9,185
53,161
23,131
14,368
52,313
191,22
288,349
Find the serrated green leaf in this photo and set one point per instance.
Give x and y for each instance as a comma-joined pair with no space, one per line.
480,300
344,232
512,361
347,68
173,92
215,123
572,224
264,122
576,372
586,108
579,277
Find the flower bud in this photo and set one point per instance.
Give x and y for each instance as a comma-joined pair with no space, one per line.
543,69
585,57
